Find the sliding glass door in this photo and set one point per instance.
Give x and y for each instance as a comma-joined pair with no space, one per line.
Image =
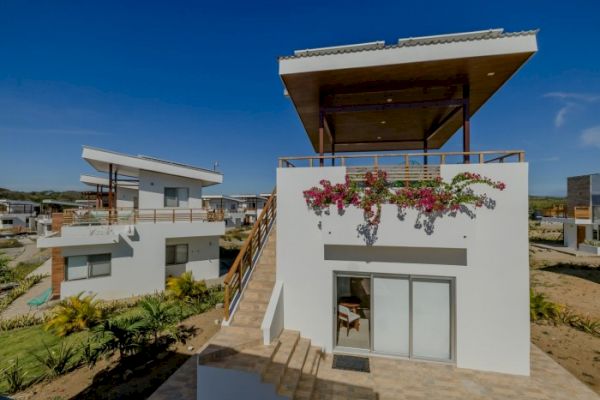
407,316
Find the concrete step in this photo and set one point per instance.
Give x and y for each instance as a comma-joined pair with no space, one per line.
251,319
281,358
261,284
260,306
306,386
293,372
256,294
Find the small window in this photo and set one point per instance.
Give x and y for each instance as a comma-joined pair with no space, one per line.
83,267
175,196
177,254
7,222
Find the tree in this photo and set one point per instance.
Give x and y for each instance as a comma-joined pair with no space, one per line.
122,334
75,313
157,316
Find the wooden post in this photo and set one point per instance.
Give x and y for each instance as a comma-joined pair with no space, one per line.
406,169
321,132
425,161
110,192
466,124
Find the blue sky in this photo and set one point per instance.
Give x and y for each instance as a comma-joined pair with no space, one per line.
197,82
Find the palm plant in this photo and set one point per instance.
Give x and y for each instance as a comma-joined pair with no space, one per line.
76,313
89,353
184,287
157,316
541,308
122,334
56,361
14,376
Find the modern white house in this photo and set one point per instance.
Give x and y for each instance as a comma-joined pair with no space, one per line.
252,205
580,216
387,243
18,214
154,226
233,209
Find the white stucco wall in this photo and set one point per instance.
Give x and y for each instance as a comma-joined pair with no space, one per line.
125,197
18,220
152,190
138,259
492,289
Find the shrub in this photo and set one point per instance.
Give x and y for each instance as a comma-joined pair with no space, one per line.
541,308
76,313
56,361
157,316
14,376
584,324
184,287
20,290
10,243
22,321
123,334
89,353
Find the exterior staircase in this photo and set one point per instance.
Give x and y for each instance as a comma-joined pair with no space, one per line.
290,363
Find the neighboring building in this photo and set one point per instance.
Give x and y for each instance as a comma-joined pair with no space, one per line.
581,214
18,214
50,206
253,205
233,209
448,287
154,227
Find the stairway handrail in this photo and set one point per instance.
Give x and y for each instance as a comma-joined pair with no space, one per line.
246,258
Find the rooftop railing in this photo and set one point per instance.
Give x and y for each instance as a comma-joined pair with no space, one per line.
577,212
131,216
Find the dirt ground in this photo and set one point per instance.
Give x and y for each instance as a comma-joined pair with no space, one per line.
109,380
573,282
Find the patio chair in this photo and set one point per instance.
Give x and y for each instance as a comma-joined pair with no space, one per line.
40,300
349,318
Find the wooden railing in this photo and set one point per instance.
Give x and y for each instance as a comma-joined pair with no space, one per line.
561,211
129,216
247,258
582,212
408,160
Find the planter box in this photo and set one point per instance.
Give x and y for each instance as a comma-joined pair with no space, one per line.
588,248
408,230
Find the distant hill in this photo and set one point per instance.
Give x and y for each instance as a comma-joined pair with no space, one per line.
539,203
69,195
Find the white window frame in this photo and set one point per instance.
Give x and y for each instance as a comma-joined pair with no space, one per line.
181,194
90,265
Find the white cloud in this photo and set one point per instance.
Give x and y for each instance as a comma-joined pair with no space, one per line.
586,97
570,102
591,136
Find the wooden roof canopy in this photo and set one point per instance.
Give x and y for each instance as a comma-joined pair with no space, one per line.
413,95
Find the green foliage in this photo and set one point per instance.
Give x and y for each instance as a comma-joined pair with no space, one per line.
541,308
10,244
184,287
90,352
57,360
6,274
122,334
584,324
38,196
157,316
22,321
14,377
74,314
540,203
22,288
591,242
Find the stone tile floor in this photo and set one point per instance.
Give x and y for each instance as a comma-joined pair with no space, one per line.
410,380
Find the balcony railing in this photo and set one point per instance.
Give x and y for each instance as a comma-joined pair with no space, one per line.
130,216
403,166
577,212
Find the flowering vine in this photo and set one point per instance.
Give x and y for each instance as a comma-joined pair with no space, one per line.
431,196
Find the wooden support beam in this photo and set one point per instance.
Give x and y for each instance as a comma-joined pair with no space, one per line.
466,124
321,143
110,186
393,106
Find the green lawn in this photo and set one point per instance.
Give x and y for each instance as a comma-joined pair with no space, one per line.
24,343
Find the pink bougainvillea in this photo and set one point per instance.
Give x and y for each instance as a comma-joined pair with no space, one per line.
425,196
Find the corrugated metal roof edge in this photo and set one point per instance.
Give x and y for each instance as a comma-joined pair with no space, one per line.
417,42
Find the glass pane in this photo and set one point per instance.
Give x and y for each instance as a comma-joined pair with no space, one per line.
77,268
170,255
391,303
181,254
431,319
171,197
99,265
353,312
182,196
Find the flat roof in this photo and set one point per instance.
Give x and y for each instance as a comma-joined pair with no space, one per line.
379,96
61,203
19,202
249,196
220,196
130,165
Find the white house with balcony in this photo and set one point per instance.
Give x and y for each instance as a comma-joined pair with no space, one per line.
233,209
18,214
388,242
154,226
580,216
